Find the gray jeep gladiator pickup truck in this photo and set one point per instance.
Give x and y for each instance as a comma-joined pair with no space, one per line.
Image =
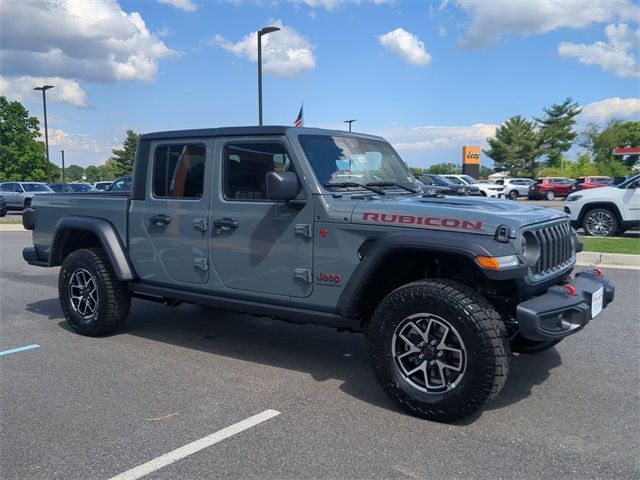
330,228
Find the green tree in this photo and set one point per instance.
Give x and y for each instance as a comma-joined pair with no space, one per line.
485,171
601,142
22,156
74,173
125,156
556,134
515,148
444,168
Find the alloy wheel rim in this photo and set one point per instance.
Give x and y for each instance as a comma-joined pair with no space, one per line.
83,291
599,224
429,353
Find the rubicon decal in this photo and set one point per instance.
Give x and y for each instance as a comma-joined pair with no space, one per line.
423,221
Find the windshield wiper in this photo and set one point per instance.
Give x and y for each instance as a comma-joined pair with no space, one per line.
391,184
356,184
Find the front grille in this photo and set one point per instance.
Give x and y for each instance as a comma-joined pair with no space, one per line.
556,250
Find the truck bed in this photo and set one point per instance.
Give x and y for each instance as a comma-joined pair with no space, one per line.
50,208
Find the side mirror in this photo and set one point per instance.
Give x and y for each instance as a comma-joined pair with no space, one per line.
282,186
18,190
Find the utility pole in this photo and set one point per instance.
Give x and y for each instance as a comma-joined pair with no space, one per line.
350,122
44,88
63,176
261,32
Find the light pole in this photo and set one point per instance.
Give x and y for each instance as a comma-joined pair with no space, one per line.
350,122
44,88
63,176
261,32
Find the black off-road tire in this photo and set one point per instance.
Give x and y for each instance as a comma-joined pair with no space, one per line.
524,345
113,297
479,327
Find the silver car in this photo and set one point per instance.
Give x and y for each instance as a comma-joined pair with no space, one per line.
515,187
18,195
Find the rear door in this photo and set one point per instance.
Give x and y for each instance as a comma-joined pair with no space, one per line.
169,229
259,245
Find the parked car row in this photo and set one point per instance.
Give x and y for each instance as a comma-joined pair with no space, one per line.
18,195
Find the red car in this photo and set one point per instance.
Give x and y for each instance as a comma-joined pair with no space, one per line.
550,188
583,183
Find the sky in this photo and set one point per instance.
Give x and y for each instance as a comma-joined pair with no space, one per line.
429,76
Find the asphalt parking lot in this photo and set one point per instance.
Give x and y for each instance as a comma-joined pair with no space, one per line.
78,407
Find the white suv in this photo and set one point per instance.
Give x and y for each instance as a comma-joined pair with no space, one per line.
491,190
606,211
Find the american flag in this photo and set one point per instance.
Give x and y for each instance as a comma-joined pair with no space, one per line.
299,121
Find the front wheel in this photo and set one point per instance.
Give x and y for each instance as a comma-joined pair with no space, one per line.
93,301
550,195
600,222
438,349
513,194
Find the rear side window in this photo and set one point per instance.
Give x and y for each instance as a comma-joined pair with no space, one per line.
178,170
246,166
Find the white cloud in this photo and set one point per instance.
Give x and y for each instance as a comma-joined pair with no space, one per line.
186,5
21,88
285,53
73,142
619,55
406,45
490,20
90,40
442,31
433,137
608,108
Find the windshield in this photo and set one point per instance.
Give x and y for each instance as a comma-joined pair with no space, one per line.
81,187
35,187
349,159
441,181
467,179
626,184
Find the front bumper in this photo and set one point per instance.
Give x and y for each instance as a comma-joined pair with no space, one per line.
564,309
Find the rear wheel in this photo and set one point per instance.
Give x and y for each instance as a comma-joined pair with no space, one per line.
513,194
550,195
93,301
600,222
438,349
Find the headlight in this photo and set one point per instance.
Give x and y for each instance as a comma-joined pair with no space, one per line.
573,198
529,248
497,263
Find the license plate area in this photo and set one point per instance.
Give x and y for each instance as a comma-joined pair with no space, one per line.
596,302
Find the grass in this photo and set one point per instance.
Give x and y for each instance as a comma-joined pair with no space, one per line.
11,219
612,245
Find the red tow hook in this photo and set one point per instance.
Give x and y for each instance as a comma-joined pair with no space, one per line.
598,272
570,289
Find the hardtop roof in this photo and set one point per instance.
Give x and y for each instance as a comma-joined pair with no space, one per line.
249,131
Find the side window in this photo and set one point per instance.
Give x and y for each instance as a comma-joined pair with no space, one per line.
4,187
178,170
246,165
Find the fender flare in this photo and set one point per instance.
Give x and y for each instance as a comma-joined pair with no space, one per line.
468,245
107,236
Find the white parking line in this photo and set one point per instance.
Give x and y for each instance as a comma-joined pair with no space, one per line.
193,447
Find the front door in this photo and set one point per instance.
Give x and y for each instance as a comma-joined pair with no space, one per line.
169,229
259,245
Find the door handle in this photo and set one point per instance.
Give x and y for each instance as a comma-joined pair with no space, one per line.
160,219
225,223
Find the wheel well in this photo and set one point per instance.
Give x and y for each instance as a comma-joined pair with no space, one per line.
591,206
72,239
406,266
